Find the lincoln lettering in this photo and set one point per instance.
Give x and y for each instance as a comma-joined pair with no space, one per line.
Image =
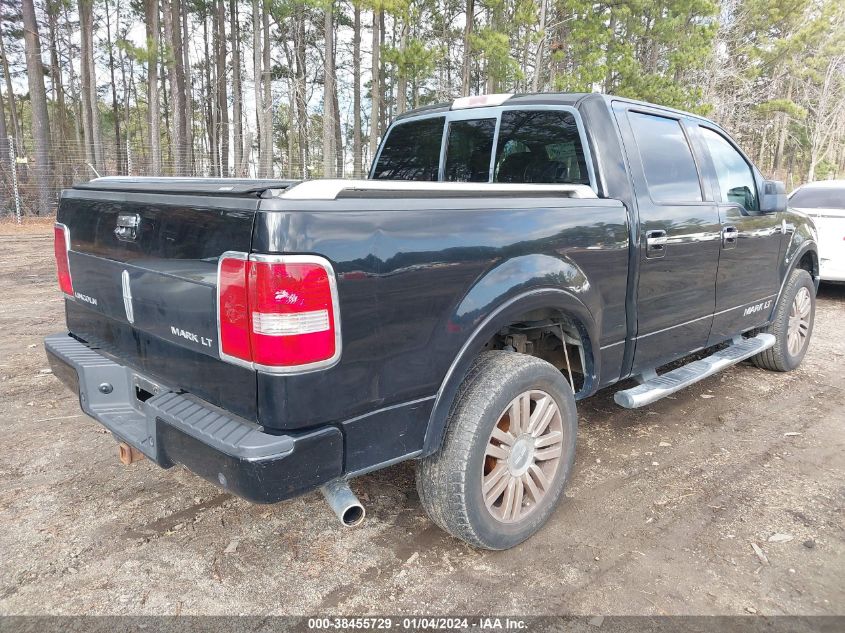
85,298
190,336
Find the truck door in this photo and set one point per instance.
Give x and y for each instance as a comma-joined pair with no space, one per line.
679,232
748,279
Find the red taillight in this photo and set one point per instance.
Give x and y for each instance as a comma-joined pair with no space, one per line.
61,244
278,312
233,309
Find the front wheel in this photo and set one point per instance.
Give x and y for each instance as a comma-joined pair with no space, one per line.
792,325
507,454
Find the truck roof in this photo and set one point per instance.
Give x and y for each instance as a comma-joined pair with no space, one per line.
535,98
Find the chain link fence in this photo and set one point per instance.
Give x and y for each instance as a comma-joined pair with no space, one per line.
72,164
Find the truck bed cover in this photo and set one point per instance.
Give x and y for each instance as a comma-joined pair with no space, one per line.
204,186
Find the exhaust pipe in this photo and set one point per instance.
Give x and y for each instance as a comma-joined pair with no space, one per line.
343,501
128,454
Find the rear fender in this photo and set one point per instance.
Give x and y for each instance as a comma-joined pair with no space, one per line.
499,298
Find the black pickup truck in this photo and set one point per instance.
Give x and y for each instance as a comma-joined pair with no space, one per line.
508,256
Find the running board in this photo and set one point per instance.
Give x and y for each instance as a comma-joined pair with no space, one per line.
655,387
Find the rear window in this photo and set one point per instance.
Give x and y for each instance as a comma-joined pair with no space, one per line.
532,146
540,146
468,150
411,151
818,198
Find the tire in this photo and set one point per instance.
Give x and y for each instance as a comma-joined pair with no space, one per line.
497,388
786,354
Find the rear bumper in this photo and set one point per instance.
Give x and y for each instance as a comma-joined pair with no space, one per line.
177,428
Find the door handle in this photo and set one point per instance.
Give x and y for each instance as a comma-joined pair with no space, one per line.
730,234
655,242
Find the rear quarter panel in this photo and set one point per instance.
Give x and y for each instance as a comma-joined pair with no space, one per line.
416,277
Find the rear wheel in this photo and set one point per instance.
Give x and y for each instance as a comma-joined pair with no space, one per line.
792,325
507,454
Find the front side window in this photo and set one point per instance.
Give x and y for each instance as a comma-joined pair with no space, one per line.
736,180
670,170
540,146
468,150
411,151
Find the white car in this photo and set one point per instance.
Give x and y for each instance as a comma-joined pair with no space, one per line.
824,201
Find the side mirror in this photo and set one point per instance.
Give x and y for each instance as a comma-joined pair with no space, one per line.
773,199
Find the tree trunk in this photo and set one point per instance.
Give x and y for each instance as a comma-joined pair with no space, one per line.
402,80
222,96
56,77
17,131
784,127
338,139
608,76
237,107
121,168
86,19
329,160
166,109
89,80
153,107
465,74
4,134
74,95
127,110
357,158
4,150
375,88
493,22
209,102
266,97
59,127
256,71
301,97
187,88
171,10
383,116
38,101
177,94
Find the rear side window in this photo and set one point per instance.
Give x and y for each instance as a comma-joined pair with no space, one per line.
736,180
818,198
468,150
540,146
670,170
411,151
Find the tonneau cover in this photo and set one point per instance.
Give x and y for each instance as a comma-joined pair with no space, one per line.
204,186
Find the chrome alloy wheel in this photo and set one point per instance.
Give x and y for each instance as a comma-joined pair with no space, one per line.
799,322
522,456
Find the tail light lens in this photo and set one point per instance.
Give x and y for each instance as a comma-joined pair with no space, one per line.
278,313
61,245
232,307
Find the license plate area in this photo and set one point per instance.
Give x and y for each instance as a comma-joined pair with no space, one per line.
143,389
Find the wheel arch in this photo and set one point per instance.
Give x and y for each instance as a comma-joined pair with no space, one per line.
802,254
809,261
562,301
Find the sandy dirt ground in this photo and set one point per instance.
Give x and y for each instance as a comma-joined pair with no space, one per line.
661,515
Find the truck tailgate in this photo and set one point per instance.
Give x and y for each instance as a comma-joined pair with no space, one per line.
143,261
